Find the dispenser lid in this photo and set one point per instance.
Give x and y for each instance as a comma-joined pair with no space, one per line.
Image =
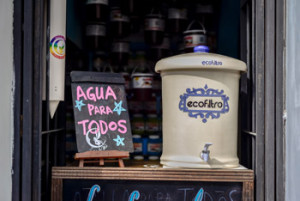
200,60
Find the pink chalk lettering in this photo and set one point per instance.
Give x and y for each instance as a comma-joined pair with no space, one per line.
93,131
112,126
99,93
83,122
91,108
103,127
97,111
95,93
108,110
102,110
123,128
94,126
91,96
80,93
110,92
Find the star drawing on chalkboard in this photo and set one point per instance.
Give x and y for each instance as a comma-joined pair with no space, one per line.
119,141
118,108
79,104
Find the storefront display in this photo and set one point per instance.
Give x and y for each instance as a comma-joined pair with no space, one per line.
42,132
131,48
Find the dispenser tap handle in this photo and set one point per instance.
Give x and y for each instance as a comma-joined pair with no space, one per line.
205,152
206,146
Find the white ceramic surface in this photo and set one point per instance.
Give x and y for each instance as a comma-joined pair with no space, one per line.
200,105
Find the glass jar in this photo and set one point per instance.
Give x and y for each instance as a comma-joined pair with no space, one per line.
154,28
97,10
142,86
120,24
120,53
95,36
152,124
177,17
137,144
138,124
154,145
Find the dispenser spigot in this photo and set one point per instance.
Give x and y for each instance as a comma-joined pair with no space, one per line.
205,152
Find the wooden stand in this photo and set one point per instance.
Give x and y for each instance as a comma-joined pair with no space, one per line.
101,156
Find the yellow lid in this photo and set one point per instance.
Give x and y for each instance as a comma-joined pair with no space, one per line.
200,60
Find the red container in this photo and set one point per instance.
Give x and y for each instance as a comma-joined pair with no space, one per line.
154,29
142,86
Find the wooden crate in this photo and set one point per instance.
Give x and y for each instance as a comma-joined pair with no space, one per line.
213,181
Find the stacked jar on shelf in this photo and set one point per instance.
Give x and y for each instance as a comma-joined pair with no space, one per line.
145,110
95,41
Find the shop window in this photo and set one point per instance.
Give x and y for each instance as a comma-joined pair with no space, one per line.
130,40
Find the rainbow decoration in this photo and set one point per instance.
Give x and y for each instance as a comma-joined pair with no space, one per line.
58,46
57,53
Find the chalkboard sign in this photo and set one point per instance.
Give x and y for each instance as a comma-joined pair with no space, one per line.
100,112
151,184
109,190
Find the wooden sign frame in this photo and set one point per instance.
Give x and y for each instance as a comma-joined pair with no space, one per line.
243,176
100,110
